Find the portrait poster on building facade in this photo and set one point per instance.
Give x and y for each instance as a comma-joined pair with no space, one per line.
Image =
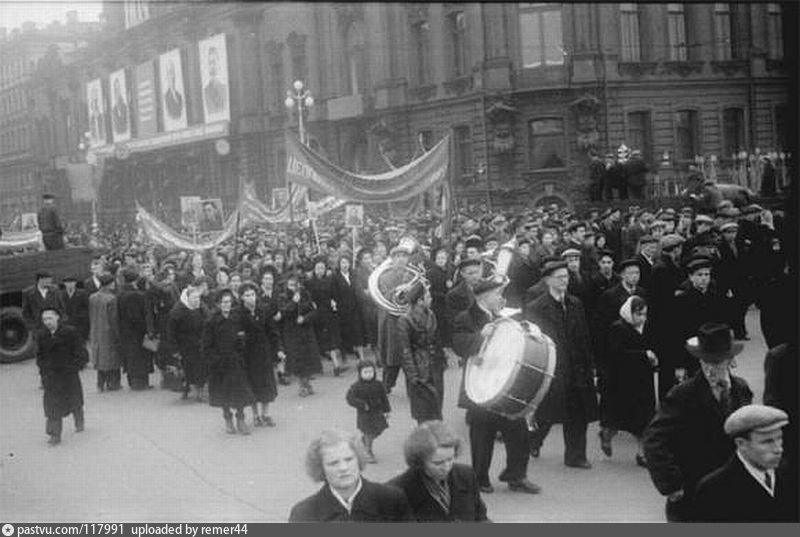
97,113
214,79
173,96
146,123
120,109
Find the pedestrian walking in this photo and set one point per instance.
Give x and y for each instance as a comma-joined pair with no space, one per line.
299,339
104,336
368,396
326,319
184,322
60,355
223,344
346,299
137,361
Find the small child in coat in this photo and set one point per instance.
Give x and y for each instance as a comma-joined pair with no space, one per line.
368,396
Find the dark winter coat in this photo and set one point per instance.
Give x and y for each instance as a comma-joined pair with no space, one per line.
628,399
574,375
731,494
60,356
159,302
184,325
438,278
369,399
104,331
223,343
350,323
465,498
132,308
33,303
522,274
326,320
76,310
299,340
261,346
369,311
388,344
374,503
686,440
423,366
467,342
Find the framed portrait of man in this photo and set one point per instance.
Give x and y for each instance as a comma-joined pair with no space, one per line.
173,95
30,221
354,215
96,113
120,109
209,215
188,210
214,78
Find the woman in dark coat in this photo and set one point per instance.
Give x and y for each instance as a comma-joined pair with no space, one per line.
369,311
60,355
132,305
184,322
261,346
158,298
326,320
299,341
438,488
422,357
440,275
629,402
269,302
345,296
223,342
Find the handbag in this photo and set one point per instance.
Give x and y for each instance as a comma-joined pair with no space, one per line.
151,344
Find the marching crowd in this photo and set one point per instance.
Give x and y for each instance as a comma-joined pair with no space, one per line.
623,295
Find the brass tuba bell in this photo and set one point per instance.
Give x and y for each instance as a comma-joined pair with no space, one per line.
389,285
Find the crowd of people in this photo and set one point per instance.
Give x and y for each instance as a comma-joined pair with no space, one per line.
619,292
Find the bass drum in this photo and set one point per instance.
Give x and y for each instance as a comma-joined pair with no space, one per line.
518,364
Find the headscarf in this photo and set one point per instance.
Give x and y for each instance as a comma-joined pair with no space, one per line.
626,314
185,297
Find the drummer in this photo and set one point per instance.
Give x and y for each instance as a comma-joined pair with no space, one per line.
469,332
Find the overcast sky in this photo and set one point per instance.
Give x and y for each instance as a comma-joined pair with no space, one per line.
14,12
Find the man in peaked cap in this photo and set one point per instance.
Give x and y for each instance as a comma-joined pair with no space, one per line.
686,439
750,487
461,296
648,248
50,224
470,329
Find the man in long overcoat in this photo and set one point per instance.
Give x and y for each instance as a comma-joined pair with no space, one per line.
571,399
60,355
76,307
137,361
50,224
41,295
104,335
686,440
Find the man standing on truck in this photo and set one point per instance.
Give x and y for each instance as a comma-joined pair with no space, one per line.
50,224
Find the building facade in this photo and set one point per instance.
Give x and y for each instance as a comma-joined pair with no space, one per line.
525,91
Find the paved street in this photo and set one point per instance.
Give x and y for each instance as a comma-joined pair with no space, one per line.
151,457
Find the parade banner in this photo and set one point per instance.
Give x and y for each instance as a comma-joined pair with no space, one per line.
97,113
146,100
307,168
120,109
160,233
173,95
14,240
214,79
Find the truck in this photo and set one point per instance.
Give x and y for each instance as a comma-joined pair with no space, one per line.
17,274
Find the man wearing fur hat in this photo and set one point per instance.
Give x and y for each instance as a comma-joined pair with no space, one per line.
750,487
686,439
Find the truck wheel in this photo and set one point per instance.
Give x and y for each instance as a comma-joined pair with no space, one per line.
16,341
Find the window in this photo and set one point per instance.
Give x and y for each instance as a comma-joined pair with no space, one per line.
722,32
463,142
420,35
276,74
774,32
458,42
781,128
629,24
547,143
297,50
676,28
732,131
687,135
425,139
540,35
355,61
639,134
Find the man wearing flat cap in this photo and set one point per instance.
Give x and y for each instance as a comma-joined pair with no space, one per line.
686,440
104,334
579,280
750,487
470,329
571,399
648,246
76,307
704,241
732,279
461,297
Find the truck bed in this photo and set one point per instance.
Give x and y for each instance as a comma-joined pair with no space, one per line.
19,271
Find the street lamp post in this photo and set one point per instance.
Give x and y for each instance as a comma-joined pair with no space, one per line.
83,147
302,99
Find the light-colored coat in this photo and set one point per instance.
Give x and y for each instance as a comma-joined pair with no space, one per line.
104,331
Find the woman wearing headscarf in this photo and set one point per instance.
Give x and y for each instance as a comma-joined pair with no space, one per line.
630,396
345,295
184,322
299,341
438,488
422,356
326,321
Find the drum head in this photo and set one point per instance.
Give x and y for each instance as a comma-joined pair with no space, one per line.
500,353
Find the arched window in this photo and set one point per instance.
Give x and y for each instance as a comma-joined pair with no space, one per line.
355,60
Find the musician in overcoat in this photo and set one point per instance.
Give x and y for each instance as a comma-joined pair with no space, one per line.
571,399
469,331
